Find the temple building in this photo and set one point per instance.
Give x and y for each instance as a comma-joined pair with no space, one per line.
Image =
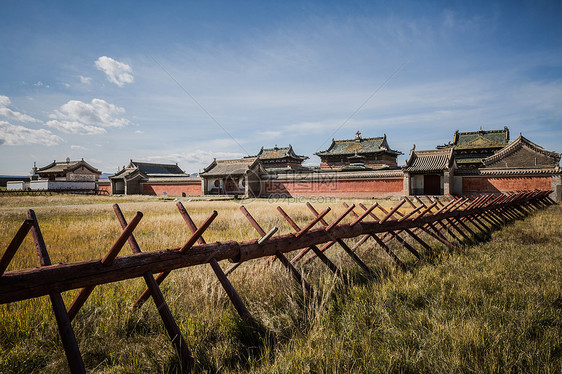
280,160
520,166
359,153
482,162
67,171
470,148
233,177
152,179
429,172
66,175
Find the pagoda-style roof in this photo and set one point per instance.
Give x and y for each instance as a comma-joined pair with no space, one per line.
479,139
430,160
148,170
358,146
63,167
279,153
237,167
518,144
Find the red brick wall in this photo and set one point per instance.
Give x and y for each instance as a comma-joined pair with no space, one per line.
504,184
190,189
104,187
343,188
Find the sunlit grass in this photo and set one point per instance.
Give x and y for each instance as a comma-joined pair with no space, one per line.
497,308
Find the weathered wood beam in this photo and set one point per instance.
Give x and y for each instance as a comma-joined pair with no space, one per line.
29,283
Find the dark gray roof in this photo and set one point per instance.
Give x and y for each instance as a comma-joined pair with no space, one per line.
66,166
150,168
431,160
236,167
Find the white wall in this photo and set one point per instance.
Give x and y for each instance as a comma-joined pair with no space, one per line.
15,185
61,185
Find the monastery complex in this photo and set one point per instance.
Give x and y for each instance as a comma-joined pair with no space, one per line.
483,161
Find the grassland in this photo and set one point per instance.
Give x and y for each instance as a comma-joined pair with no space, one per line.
496,308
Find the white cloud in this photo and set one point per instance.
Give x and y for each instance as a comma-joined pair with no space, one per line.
193,161
72,127
115,71
12,115
16,116
269,134
85,80
41,84
78,147
20,135
77,117
4,101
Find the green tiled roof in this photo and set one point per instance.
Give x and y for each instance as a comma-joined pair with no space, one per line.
471,160
481,139
357,146
276,152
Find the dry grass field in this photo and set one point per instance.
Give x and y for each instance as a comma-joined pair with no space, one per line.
497,308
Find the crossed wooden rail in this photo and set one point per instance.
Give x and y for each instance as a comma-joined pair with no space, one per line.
446,221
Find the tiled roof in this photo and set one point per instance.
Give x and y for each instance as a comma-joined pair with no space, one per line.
150,168
66,166
468,160
236,167
431,160
479,139
276,152
129,173
357,146
516,145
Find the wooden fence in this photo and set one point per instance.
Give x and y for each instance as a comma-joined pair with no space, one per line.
451,221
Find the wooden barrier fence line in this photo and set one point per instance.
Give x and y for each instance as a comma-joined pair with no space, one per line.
454,220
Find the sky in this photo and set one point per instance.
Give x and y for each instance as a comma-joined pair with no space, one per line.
189,81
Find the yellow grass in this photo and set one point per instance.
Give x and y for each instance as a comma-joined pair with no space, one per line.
331,330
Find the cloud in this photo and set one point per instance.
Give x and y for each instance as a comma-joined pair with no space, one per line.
12,115
115,71
85,80
77,117
269,134
193,161
4,101
71,127
20,135
78,147
40,84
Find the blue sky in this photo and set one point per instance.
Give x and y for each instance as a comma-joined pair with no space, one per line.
189,81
